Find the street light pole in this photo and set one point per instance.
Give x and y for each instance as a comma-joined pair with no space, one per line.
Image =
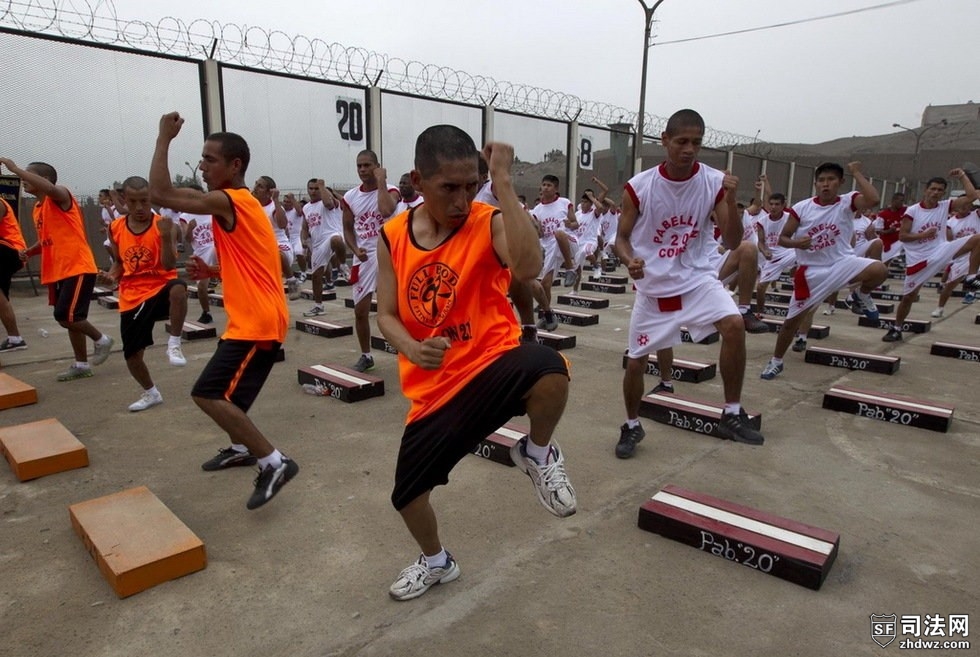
638,137
918,132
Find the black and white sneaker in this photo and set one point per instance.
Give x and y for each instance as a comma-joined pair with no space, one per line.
737,428
628,438
7,345
662,387
893,335
228,458
972,283
270,481
418,578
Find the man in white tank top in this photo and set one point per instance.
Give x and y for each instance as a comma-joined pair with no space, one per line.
365,209
198,233
267,194
555,219
325,236
927,252
664,237
294,229
821,229
961,224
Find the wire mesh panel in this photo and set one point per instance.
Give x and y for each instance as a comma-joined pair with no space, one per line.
778,175
540,145
803,183
403,118
296,129
93,114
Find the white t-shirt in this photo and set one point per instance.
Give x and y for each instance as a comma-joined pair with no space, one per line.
294,224
588,227
772,228
485,195
320,222
280,233
922,220
673,233
964,226
202,236
861,224
406,205
551,216
367,218
608,225
749,222
830,228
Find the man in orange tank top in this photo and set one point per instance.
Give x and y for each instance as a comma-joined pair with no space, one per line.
11,244
67,264
443,273
144,264
254,300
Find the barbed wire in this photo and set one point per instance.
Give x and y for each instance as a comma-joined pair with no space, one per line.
276,51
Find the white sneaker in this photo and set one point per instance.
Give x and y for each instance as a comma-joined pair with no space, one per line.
550,481
938,312
829,310
418,578
101,352
292,289
176,356
146,400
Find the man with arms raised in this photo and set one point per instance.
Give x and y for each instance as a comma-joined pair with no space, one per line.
665,239
254,301
443,273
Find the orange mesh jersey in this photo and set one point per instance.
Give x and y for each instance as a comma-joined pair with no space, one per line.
10,234
457,290
250,272
141,256
64,248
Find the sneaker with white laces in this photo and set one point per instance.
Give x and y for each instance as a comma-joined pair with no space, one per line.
101,352
937,313
364,363
569,277
176,356
146,400
771,371
314,311
7,345
972,283
867,305
228,457
893,335
419,578
74,372
270,481
969,298
829,310
799,344
550,481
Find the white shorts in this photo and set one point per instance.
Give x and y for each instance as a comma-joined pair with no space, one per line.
772,269
582,251
552,258
819,282
320,253
919,272
718,261
285,248
367,277
652,329
861,250
959,268
297,244
897,249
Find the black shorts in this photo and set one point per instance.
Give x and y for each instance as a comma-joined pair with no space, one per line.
237,371
10,264
433,445
136,324
71,297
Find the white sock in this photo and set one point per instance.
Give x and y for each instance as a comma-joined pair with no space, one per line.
632,424
104,340
667,384
801,336
153,391
274,459
537,452
241,449
733,408
82,366
776,361
437,560
743,309
173,341
16,339
292,279
367,354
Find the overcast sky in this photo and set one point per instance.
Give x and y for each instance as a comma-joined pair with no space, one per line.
855,75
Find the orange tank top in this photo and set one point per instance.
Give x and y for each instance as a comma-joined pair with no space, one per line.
10,234
457,290
141,256
64,248
251,273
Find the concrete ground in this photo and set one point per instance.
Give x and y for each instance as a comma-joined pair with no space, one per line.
308,574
